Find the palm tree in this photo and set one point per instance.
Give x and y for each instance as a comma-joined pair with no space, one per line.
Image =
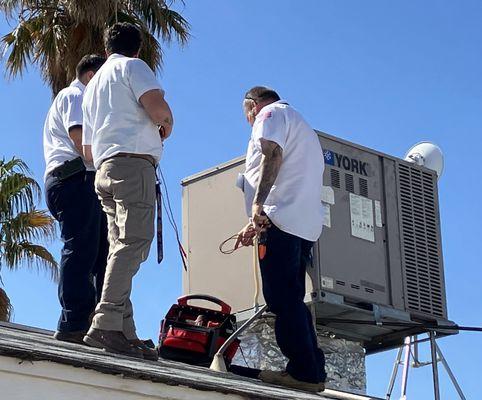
55,34
22,226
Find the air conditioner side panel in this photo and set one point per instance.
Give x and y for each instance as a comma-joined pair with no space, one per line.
391,222
422,262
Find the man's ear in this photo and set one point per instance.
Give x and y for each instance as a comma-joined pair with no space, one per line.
250,106
89,75
258,107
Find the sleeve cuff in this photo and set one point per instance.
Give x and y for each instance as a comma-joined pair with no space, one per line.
147,89
71,124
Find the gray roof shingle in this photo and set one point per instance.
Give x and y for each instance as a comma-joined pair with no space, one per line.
38,345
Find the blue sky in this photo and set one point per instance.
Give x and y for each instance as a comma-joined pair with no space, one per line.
382,74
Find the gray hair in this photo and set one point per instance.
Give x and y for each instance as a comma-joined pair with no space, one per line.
260,94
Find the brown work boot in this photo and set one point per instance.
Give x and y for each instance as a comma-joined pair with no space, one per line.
111,341
71,337
147,352
282,378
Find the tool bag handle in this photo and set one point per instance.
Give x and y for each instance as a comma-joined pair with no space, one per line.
225,308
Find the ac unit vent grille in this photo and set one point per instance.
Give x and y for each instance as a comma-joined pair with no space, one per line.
420,241
349,183
363,187
335,178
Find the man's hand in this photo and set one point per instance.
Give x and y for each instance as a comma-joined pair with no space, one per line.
246,236
259,220
87,153
165,128
162,132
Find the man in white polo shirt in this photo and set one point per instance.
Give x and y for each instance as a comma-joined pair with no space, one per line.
282,188
71,198
126,120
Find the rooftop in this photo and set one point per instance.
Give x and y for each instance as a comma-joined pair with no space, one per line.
37,345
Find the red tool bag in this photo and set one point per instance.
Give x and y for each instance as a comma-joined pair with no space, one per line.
194,334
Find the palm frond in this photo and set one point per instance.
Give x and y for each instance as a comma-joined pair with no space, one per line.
20,46
51,50
151,51
18,193
161,20
15,164
34,225
6,308
56,34
16,254
21,223
9,6
91,12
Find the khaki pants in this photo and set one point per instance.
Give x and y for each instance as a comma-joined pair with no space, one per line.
126,188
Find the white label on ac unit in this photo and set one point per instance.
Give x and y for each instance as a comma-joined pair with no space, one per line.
378,214
326,215
326,282
361,213
327,194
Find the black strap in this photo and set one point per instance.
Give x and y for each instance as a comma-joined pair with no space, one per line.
160,244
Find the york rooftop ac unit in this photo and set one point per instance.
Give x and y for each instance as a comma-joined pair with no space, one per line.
379,256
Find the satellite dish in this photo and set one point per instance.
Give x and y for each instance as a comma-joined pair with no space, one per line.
428,155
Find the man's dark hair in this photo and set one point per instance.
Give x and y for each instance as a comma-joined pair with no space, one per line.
260,94
123,38
90,62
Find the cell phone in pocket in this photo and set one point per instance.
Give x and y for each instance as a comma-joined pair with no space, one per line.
70,168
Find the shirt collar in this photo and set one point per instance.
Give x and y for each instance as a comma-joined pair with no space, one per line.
270,104
276,102
114,56
78,84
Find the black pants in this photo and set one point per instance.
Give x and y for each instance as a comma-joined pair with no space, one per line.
283,272
83,230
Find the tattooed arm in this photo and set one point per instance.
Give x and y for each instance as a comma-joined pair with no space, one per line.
270,166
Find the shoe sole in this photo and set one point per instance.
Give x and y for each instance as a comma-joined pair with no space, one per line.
150,358
73,341
303,389
276,382
93,343
98,345
61,338
149,354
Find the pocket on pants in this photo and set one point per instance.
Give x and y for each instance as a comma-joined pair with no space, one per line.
136,221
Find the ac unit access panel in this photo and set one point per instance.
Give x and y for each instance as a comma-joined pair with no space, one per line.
352,250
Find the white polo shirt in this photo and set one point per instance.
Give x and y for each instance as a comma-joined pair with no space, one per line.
64,113
294,202
114,120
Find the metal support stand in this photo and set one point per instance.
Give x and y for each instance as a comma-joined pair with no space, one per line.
436,357
406,366
450,373
433,352
397,363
